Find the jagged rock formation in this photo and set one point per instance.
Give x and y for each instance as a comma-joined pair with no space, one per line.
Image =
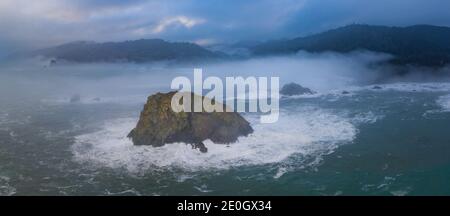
159,124
295,89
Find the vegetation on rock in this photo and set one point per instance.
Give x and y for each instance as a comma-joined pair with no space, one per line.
159,124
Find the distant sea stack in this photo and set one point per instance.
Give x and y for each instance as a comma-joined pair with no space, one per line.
292,89
159,124
75,98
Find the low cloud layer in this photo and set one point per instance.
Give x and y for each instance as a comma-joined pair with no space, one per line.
321,72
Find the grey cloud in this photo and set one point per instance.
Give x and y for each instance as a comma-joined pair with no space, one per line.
48,22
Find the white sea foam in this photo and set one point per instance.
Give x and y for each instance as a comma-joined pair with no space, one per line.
280,172
407,87
444,103
6,120
418,87
203,189
366,118
133,192
437,87
307,132
400,192
315,95
5,188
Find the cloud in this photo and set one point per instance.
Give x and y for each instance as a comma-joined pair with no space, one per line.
164,24
43,23
63,10
36,24
206,41
319,15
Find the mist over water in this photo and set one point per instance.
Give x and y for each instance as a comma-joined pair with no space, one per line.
321,72
51,142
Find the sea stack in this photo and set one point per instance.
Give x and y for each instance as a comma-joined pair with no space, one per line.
292,89
159,125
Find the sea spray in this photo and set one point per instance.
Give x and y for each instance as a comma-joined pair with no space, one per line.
311,131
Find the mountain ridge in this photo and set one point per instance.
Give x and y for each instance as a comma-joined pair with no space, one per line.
419,45
424,45
139,51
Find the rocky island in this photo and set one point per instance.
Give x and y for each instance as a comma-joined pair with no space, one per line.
292,89
159,124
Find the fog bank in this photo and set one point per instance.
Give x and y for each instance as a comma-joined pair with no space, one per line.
323,72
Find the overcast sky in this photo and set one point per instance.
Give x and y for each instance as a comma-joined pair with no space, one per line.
27,23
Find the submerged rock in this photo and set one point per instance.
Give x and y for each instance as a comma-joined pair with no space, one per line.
75,98
53,62
377,87
159,124
295,89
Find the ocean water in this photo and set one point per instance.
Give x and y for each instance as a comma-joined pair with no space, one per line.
389,141
393,141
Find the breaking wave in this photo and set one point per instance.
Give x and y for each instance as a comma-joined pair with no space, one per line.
5,188
444,103
403,87
307,132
